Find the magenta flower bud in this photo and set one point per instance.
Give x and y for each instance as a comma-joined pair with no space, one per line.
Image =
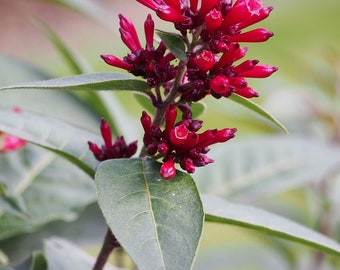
259,71
206,6
246,92
97,152
195,125
170,117
188,165
213,20
256,35
238,82
220,85
245,66
178,135
129,40
149,28
255,18
168,170
176,4
128,26
224,135
205,138
149,3
131,149
115,61
170,14
105,130
163,148
146,121
218,46
205,61
193,5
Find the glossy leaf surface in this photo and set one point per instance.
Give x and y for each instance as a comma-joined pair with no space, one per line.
158,222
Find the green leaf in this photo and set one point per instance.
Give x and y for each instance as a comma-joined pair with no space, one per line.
51,187
197,109
174,43
2,267
218,210
64,139
258,109
93,81
251,169
145,102
61,254
39,261
158,222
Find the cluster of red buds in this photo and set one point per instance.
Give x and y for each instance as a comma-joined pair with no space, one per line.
179,142
109,150
9,142
212,66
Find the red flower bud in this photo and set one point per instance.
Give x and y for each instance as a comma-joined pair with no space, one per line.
170,117
168,170
105,130
170,14
188,165
206,6
259,71
115,61
213,20
256,35
128,27
205,61
163,148
149,28
224,135
246,92
220,85
179,134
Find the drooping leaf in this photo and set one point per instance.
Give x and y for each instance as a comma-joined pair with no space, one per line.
61,254
158,222
257,109
92,81
66,140
52,189
219,210
174,43
251,169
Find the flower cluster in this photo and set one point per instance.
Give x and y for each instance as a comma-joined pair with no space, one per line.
179,142
150,63
212,65
109,150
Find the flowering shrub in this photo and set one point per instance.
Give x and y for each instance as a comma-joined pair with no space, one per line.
158,222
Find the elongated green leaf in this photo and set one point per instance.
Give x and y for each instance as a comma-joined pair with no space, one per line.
255,168
174,43
158,222
218,210
2,267
93,81
62,254
258,109
64,139
39,261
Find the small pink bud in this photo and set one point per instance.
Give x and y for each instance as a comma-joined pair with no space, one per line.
188,165
168,170
245,66
128,27
129,40
163,148
146,121
12,143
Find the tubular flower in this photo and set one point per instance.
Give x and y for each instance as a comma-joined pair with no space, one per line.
9,142
151,63
109,150
179,142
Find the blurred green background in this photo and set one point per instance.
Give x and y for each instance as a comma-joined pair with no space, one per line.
303,95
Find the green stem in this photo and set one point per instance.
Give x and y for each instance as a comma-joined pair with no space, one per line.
110,243
160,110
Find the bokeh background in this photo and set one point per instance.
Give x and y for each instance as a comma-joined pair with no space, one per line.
304,95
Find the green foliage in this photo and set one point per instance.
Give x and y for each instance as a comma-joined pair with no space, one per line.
158,222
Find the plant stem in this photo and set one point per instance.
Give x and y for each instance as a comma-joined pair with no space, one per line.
160,111
110,243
